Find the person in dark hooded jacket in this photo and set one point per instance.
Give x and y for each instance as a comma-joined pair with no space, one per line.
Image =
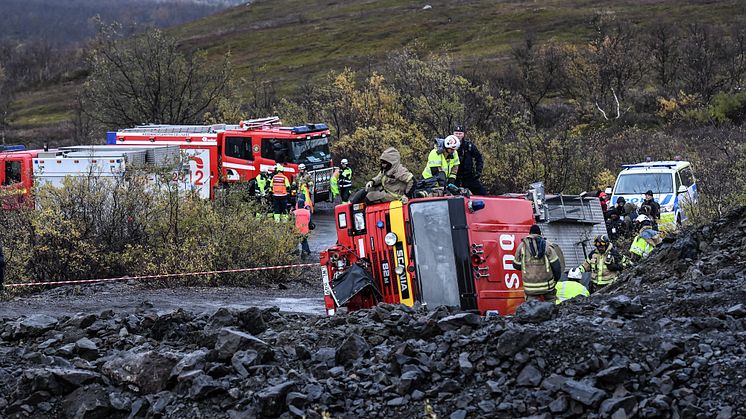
540,266
393,182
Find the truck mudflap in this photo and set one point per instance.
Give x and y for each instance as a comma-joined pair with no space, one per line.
351,283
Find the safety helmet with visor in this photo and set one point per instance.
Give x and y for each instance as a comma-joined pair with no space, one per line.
452,142
601,242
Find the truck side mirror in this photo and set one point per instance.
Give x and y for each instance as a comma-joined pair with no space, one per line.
683,189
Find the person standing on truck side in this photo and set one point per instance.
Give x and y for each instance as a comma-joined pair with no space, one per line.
280,186
651,208
345,181
605,263
471,164
303,185
393,182
540,266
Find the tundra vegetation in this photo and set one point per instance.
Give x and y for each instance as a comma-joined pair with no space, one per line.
567,113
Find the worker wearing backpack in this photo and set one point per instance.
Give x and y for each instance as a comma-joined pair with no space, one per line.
540,265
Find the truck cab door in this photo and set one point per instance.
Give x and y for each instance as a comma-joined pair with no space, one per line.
238,159
15,180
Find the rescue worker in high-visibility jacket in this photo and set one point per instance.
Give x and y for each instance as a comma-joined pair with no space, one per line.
302,225
334,185
280,187
345,181
540,266
443,164
604,263
646,240
303,185
570,288
261,188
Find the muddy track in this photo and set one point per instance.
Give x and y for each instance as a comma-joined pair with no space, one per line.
300,293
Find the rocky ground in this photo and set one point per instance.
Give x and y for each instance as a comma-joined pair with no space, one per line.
668,341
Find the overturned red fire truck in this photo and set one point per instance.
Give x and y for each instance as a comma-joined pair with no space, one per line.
453,251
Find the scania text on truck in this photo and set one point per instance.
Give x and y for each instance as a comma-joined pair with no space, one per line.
454,251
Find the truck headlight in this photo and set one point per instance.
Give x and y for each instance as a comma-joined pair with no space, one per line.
390,238
359,218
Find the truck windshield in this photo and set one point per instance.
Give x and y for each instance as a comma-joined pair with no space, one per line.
639,183
310,151
433,249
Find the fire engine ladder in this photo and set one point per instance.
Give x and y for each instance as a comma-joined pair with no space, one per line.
260,122
174,129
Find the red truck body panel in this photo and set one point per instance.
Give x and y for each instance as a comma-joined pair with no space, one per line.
16,178
445,253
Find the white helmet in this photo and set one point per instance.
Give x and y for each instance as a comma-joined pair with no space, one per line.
452,142
575,274
344,161
642,218
301,166
278,167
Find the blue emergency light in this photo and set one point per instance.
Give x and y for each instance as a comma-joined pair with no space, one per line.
111,137
303,129
16,147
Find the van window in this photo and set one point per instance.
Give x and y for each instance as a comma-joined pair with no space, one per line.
238,147
687,179
12,172
639,183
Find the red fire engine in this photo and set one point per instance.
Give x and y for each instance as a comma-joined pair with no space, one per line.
15,176
236,153
454,251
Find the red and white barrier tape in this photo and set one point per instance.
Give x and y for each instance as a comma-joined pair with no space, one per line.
143,277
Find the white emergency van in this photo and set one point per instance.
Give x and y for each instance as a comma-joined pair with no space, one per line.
672,183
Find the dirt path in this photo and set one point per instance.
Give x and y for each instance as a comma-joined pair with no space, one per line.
68,300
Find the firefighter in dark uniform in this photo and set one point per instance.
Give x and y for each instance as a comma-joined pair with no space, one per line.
470,169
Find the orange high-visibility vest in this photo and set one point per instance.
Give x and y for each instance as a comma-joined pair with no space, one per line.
280,185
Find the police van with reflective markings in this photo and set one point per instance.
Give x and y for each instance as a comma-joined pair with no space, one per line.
672,183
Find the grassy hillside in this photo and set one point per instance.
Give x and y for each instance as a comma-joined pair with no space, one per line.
298,39
292,41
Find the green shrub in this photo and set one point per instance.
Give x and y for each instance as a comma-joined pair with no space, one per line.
92,229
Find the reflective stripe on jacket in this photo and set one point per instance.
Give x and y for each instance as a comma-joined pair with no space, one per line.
434,159
345,178
641,247
538,273
280,185
605,267
570,289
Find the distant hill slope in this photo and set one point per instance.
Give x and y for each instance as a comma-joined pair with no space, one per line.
297,40
64,22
